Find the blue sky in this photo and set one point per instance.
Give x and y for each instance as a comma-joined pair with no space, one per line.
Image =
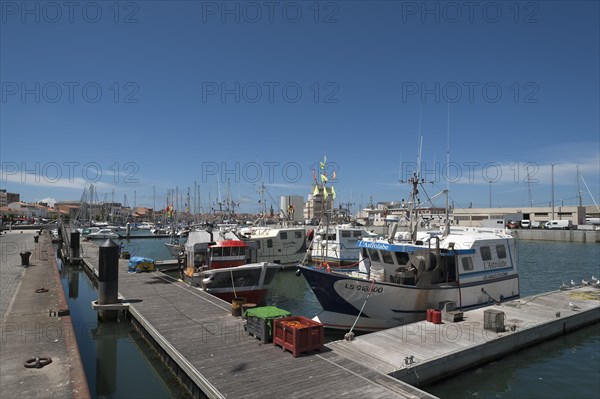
146,96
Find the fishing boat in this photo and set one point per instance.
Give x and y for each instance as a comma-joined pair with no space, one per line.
282,245
336,246
404,275
225,266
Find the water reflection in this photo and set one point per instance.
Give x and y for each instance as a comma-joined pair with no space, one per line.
118,363
106,336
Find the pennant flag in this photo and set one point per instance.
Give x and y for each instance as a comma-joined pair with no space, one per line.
322,165
325,192
324,158
334,175
333,192
316,192
324,178
314,175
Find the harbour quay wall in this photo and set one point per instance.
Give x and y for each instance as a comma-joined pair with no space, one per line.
588,236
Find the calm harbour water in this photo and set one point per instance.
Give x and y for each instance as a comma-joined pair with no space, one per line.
567,366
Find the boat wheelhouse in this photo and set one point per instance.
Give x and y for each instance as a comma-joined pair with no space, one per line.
337,247
285,246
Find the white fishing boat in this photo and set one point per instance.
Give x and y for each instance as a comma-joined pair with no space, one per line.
401,277
103,233
336,247
282,245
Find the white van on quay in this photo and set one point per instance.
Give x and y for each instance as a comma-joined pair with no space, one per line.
525,224
559,224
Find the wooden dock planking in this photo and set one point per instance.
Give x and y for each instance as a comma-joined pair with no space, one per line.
198,331
443,349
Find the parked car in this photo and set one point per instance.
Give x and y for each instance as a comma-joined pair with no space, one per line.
525,224
512,224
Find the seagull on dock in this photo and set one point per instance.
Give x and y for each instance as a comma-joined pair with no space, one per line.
572,282
573,306
594,279
584,282
563,287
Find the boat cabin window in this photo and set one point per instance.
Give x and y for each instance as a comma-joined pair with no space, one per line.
345,234
402,258
217,251
199,258
283,235
387,257
357,234
269,243
298,234
374,255
501,250
227,251
486,254
257,244
467,263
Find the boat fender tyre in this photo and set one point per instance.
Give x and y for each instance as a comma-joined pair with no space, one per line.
37,362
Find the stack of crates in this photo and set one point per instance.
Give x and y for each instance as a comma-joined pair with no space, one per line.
260,321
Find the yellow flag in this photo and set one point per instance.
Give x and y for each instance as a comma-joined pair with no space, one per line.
325,192
322,165
324,178
316,190
333,192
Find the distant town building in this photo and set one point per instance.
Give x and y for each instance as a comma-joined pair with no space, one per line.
475,216
28,211
6,197
318,203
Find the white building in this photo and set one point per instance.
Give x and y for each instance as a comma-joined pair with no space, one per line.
292,207
28,211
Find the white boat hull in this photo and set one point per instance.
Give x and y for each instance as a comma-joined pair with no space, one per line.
388,305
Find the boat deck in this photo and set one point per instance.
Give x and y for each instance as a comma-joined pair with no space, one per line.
439,350
210,351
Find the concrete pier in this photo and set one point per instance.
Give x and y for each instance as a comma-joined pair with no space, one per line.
36,323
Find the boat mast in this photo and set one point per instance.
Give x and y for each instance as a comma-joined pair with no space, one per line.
447,223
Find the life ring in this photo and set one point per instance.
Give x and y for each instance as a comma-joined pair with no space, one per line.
327,267
37,362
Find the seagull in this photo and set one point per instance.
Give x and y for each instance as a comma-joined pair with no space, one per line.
572,282
597,282
594,279
563,286
573,306
584,282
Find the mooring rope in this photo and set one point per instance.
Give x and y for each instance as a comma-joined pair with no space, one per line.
363,305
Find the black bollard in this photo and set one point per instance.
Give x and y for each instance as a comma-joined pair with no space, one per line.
74,245
36,238
25,258
108,278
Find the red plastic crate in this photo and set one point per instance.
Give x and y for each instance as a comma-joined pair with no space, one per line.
298,334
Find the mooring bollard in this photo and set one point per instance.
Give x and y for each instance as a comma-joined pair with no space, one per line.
25,258
108,278
74,244
36,238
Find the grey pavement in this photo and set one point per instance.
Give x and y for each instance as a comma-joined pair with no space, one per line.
12,243
35,324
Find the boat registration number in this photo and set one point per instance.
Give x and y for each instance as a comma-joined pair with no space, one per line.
360,287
